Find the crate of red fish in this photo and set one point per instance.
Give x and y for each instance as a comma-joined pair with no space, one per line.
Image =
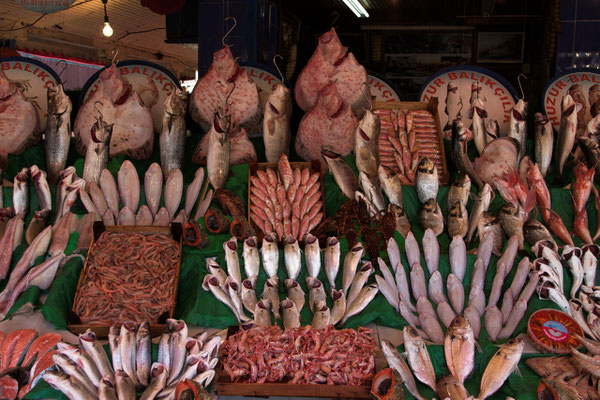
285,198
130,274
307,362
411,131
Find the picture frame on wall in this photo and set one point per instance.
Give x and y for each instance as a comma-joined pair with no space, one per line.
500,47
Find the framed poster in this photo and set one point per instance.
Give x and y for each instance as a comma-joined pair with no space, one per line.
500,47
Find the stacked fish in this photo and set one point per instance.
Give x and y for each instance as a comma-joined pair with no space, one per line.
287,202
499,322
239,294
264,354
584,296
405,138
459,351
85,371
24,357
103,198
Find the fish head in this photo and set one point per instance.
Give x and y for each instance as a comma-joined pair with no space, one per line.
100,131
222,122
426,166
457,210
230,283
593,248
58,101
176,103
332,241
368,126
410,334
451,88
431,206
224,65
157,370
459,325
290,283
131,326
487,219
336,294
510,209
264,304
287,304
567,105
250,283
279,101
251,242
310,239
541,119
331,48
273,282
514,345
519,110
230,245
88,336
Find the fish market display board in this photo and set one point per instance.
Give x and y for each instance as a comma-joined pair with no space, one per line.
198,307
457,87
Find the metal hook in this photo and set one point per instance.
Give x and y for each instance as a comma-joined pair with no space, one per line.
64,62
114,57
229,95
277,66
520,85
337,16
97,109
230,29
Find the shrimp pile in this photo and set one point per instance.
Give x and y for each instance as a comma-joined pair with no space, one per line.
129,277
300,355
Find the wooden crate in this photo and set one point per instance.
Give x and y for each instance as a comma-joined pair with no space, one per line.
432,107
225,387
254,166
175,230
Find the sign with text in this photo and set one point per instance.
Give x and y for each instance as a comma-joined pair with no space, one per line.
45,6
457,87
382,90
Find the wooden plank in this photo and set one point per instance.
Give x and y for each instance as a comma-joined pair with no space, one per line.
293,390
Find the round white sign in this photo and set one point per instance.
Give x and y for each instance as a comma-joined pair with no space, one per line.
381,90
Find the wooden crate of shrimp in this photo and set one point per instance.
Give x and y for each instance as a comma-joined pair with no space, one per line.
130,274
409,132
285,198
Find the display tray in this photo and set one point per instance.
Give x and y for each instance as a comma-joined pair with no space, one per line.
175,231
225,387
432,107
314,165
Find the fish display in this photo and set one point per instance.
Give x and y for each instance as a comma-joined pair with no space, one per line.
57,138
357,357
105,293
121,106
287,202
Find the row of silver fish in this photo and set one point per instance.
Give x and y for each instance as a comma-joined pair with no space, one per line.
85,371
459,351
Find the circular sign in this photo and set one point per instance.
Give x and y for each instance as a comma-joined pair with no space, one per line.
457,87
35,78
552,331
152,82
584,86
382,90
46,6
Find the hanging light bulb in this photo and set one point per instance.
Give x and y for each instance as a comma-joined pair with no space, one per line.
107,30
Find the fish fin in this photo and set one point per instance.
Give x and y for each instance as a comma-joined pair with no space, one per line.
478,347
517,370
530,200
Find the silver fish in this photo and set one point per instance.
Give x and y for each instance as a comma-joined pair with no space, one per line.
93,348
430,216
193,190
482,203
153,183
67,385
233,261
418,357
454,105
567,131
339,306
271,292
276,123
106,388
173,131
67,366
391,185
57,137
113,342
360,279
41,188
217,161
251,257
321,315
179,335
366,144
213,268
127,346
312,255
211,283
342,173
316,292
371,191
234,292
125,386
350,264
544,142
270,255
431,251
295,293
249,299
97,153
292,258
291,314
396,361
589,263
164,350
363,299
426,180
20,195
158,375
571,255
478,114
262,313
518,125
459,191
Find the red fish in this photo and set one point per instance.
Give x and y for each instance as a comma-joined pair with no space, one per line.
557,227
582,187
40,346
8,388
542,194
14,346
580,227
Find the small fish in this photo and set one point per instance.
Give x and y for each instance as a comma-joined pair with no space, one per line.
489,223
173,131
128,350
276,123
436,288
518,125
295,293
534,231
430,216
418,357
312,255
251,257
458,220
371,191
291,314
456,293
449,387
459,348
249,299
445,313
459,153
457,252
350,264
511,222
235,294
69,367
158,375
67,385
217,160
544,142
482,203
92,347
567,131
262,313
113,342
359,281
493,322
292,258
153,184
143,341
431,250
363,299
332,259
502,364
339,306
459,191
454,105
316,292
402,222
97,153
125,386
426,180
129,185
270,255
20,195
366,143
342,173
391,185
232,259
321,315
271,293
478,114
396,361
211,283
